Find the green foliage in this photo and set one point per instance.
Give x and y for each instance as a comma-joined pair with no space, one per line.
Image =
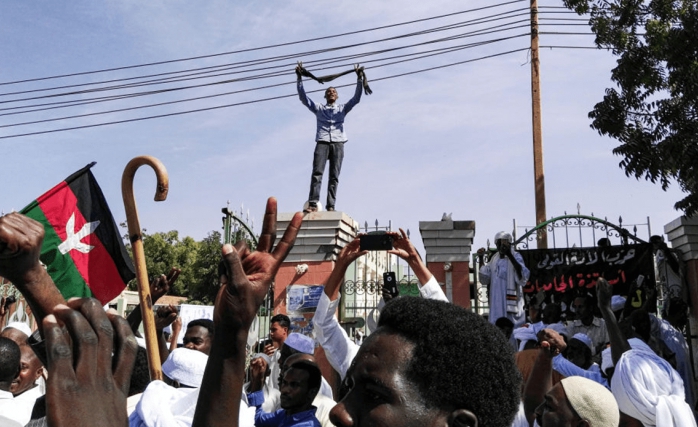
653,113
198,262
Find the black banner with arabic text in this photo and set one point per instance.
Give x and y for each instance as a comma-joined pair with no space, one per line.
577,269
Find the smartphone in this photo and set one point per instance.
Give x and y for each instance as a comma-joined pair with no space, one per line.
390,283
376,241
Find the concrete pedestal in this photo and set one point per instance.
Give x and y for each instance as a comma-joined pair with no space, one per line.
448,245
683,235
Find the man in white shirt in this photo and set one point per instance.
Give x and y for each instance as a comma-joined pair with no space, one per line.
588,324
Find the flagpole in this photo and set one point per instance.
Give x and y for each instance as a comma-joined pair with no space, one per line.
136,238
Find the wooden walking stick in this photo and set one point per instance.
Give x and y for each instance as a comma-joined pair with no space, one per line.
134,234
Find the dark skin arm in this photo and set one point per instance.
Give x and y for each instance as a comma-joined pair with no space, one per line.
347,255
619,344
259,369
245,279
20,246
403,248
164,317
159,287
176,329
86,383
541,378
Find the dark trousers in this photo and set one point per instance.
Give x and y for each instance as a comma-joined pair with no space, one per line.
334,152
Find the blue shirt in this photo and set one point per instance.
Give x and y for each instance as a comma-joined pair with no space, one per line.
280,418
330,118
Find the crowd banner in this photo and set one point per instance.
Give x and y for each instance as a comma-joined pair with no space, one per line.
578,269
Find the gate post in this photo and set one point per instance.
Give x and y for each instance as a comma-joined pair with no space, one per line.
448,245
683,234
311,260
321,236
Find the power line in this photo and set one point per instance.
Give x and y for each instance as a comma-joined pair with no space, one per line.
480,32
415,56
241,64
260,48
252,101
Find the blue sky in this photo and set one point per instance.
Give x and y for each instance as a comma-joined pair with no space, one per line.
456,139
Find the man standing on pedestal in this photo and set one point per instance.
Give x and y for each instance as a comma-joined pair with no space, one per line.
330,138
505,275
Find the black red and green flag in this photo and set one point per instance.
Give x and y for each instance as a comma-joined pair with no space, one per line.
82,249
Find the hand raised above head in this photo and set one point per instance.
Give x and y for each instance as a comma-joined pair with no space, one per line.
604,293
161,285
20,246
403,247
90,361
552,339
165,316
246,276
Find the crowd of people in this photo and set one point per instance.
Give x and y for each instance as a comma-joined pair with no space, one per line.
426,361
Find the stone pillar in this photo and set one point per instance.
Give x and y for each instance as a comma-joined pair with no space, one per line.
448,245
321,237
310,262
683,235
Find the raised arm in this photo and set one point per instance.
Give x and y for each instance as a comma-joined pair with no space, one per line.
429,287
357,93
305,100
339,348
20,246
541,378
619,344
245,279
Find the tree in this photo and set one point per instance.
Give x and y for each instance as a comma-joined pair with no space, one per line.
165,250
654,112
204,286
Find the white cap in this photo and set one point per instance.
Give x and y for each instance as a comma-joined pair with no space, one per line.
186,366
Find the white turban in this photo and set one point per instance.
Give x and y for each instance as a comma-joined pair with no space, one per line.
649,389
20,326
503,235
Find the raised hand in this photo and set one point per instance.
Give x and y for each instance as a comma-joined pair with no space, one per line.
161,285
246,275
86,383
552,340
245,280
346,256
165,316
20,246
604,293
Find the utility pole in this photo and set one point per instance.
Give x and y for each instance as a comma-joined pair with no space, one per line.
538,173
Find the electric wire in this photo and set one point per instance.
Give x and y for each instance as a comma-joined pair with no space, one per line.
477,21
263,47
252,101
285,66
421,55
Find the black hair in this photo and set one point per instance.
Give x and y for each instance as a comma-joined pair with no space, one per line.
314,374
9,360
504,322
459,361
140,376
282,320
206,323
